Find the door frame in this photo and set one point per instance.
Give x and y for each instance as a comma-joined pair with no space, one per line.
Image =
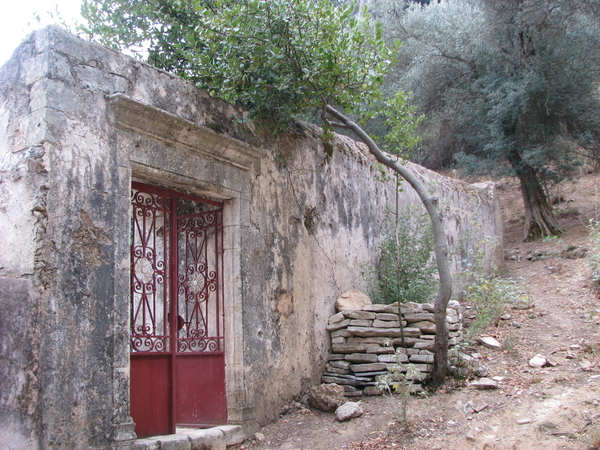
155,146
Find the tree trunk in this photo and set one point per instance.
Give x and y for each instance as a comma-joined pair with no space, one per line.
441,253
539,218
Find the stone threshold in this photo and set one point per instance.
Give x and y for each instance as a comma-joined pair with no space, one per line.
217,438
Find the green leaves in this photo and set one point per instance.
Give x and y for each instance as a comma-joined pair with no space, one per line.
403,122
492,80
276,58
406,268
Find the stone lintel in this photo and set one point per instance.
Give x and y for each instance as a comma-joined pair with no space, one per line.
131,115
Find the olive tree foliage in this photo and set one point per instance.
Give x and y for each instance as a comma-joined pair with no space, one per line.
509,87
278,59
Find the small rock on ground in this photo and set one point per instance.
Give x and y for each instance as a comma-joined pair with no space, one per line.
537,361
485,383
490,342
327,397
349,410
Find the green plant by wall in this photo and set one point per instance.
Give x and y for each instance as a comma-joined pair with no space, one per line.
489,294
406,267
490,297
400,380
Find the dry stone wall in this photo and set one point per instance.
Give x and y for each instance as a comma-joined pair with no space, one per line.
381,340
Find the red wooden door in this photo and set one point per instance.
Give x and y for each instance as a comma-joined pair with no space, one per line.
177,320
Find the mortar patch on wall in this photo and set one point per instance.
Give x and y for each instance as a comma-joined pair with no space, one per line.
285,303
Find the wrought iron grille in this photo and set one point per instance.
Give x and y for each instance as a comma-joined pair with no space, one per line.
176,266
198,283
151,220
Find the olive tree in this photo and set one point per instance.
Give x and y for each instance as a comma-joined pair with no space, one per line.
278,59
509,87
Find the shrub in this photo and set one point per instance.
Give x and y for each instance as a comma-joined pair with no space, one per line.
406,267
490,295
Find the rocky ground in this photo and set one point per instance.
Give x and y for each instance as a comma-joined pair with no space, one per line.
553,407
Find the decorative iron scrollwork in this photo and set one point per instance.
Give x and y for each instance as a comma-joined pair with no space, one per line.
191,259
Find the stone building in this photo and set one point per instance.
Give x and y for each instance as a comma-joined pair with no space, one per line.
163,259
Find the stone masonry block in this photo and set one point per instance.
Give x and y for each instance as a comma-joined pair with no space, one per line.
388,316
384,332
350,348
382,309
340,364
234,434
427,345
174,442
387,358
425,326
418,317
361,357
364,315
338,325
340,333
380,350
425,368
369,340
407,342
336,318
357,368
421,359
208,439
145,444
387,323
455,326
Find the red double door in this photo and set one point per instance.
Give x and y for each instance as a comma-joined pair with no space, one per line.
177,318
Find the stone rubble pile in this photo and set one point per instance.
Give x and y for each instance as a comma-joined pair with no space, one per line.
371,341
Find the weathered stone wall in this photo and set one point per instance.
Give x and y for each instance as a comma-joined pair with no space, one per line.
78,123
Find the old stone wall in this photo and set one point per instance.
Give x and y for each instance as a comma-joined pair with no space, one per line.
79,123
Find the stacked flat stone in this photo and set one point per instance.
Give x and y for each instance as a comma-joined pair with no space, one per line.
368,342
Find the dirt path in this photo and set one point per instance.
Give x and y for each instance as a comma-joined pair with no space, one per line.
554,407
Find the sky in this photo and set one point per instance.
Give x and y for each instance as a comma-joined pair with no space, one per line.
18,20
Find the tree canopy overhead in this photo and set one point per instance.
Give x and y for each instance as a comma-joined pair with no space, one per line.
277,58
508,87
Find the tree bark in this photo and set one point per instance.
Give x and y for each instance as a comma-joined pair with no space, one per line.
539,218
441,252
